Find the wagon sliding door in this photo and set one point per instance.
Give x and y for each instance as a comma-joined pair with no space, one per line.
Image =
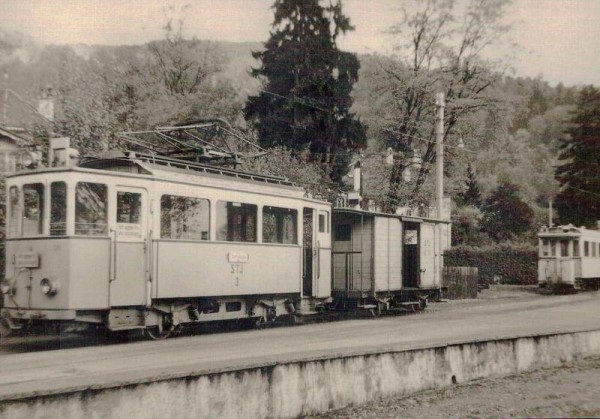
128,247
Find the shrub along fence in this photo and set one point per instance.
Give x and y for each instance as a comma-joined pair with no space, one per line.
507,262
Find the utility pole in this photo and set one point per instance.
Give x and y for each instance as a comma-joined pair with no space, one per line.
439,155
5,104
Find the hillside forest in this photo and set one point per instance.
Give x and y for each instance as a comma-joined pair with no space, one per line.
508,139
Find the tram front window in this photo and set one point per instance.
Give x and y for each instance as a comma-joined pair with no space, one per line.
90,209
14,212
58,209
33,209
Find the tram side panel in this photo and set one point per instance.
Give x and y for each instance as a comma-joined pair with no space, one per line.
196,269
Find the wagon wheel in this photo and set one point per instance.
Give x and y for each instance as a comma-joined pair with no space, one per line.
162,330
260,322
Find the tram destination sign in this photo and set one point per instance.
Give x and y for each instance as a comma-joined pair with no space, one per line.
238,257
27,260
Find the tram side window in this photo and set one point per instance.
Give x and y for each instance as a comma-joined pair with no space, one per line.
545,247
280,225
323,222
15,212
586,248
553,247
58,209
593,249
564,247
576,248
184,218
236,222
90,209
33,209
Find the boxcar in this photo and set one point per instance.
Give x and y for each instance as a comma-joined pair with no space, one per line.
385,261
569,257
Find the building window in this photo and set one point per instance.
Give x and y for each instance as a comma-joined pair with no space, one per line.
33,209
280,225
236,222
90,209
184,218
7,161
58,209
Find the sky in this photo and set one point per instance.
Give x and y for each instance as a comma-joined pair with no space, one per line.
559,39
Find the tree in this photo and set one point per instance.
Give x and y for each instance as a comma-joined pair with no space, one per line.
178,79
439,49
505,215
305,102
93,104
466,226
471,195
578,202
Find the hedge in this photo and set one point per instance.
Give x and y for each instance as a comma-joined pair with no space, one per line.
512,263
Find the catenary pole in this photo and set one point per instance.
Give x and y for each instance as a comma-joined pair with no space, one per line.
439,155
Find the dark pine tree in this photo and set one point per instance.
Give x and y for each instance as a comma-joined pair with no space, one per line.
505,215
578,202
305,102
471,195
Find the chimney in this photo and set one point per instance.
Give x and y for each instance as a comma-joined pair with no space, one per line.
46,103
357,176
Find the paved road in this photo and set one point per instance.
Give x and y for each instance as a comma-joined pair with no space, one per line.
54,371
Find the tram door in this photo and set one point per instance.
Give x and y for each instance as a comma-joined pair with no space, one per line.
316,280
308,246
128,248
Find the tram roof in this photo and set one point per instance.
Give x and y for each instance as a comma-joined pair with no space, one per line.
170,169
568,230
404,218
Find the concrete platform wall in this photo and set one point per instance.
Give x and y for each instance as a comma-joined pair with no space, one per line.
310,386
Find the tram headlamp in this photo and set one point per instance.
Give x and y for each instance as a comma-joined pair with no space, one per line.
6,288
48,286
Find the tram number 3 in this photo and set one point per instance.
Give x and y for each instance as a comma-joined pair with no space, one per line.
237,268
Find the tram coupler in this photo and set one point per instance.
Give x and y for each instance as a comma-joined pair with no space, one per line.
7,325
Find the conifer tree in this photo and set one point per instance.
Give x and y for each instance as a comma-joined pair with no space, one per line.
579,176
471,195
305,101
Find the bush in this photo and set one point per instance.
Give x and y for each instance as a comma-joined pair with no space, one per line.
514,263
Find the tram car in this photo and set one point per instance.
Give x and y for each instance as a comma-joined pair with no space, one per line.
142,242
569,258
